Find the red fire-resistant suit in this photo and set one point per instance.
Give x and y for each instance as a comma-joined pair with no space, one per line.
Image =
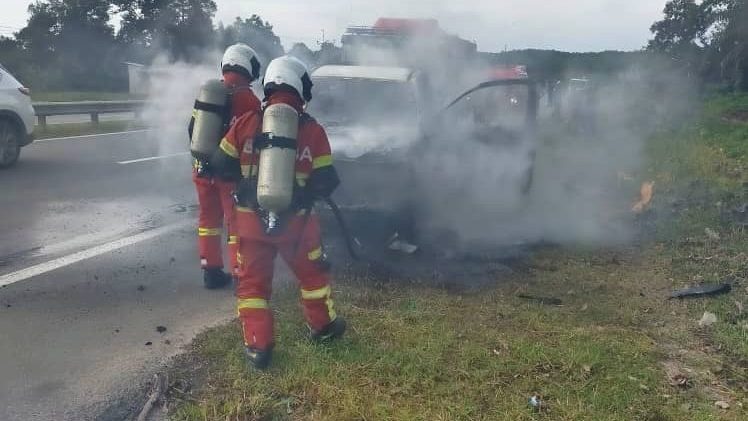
214,195
298,243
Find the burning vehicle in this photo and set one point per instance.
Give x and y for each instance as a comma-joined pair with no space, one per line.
399,117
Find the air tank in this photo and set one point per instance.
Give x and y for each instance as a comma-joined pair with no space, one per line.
277,166
210,110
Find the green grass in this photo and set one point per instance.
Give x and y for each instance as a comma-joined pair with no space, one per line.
82,96
78,129
608,353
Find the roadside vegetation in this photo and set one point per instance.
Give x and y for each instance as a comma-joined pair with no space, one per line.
615,349
80,129
68,96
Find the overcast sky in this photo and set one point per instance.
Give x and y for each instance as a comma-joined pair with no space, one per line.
571,25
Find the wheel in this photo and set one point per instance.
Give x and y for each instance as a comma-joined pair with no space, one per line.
10,143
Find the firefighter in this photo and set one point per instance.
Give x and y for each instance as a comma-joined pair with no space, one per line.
240,67
260,144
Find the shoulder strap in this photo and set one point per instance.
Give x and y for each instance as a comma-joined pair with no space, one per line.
305,118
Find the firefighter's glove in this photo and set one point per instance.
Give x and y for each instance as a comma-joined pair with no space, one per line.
303,197
224,166
246,193
322,182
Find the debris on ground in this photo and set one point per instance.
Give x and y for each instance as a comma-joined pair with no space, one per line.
712,234
701,290
552,301
141,287
158,388
396,243
646,191
149,343
536,403
707,319
160,329
680,380
722,405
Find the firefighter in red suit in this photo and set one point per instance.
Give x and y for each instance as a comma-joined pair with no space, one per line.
240,67
297,237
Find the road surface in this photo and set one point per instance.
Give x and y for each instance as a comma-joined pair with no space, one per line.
97,250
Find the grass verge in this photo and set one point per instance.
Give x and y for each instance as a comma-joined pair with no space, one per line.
69,96
616,349
79,129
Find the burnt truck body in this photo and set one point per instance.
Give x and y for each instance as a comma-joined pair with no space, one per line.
382,122
373,116
408,101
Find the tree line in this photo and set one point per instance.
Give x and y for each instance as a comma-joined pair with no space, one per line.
708,39
75,44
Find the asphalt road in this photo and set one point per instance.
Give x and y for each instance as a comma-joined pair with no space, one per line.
97,250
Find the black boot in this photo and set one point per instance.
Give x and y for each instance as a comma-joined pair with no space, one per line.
333,330
259,359
215,278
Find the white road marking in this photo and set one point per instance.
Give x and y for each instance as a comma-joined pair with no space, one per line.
70,259
87,136
152,158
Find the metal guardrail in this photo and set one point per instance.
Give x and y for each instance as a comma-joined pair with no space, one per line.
93,108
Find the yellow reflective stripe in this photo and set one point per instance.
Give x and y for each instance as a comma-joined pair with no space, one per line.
316,294
301,178
208,232
239,258
251,303
322,161
242,209
229,148
330,309
194,113
315,254
233,239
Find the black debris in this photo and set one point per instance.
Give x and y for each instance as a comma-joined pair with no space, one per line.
701,290
160,329
141,287
551,301
149,343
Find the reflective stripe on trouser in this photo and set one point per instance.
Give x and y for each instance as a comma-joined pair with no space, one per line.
299,245
215,203
257,322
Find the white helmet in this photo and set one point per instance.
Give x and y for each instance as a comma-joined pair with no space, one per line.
291,72
241,58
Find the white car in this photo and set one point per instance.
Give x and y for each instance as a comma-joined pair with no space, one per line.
17,118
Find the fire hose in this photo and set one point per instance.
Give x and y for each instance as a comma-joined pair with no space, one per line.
349,240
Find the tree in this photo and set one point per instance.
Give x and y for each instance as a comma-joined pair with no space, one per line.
709,38
72,44
254,32
731,40
183,28
303,53
328,53
682,34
